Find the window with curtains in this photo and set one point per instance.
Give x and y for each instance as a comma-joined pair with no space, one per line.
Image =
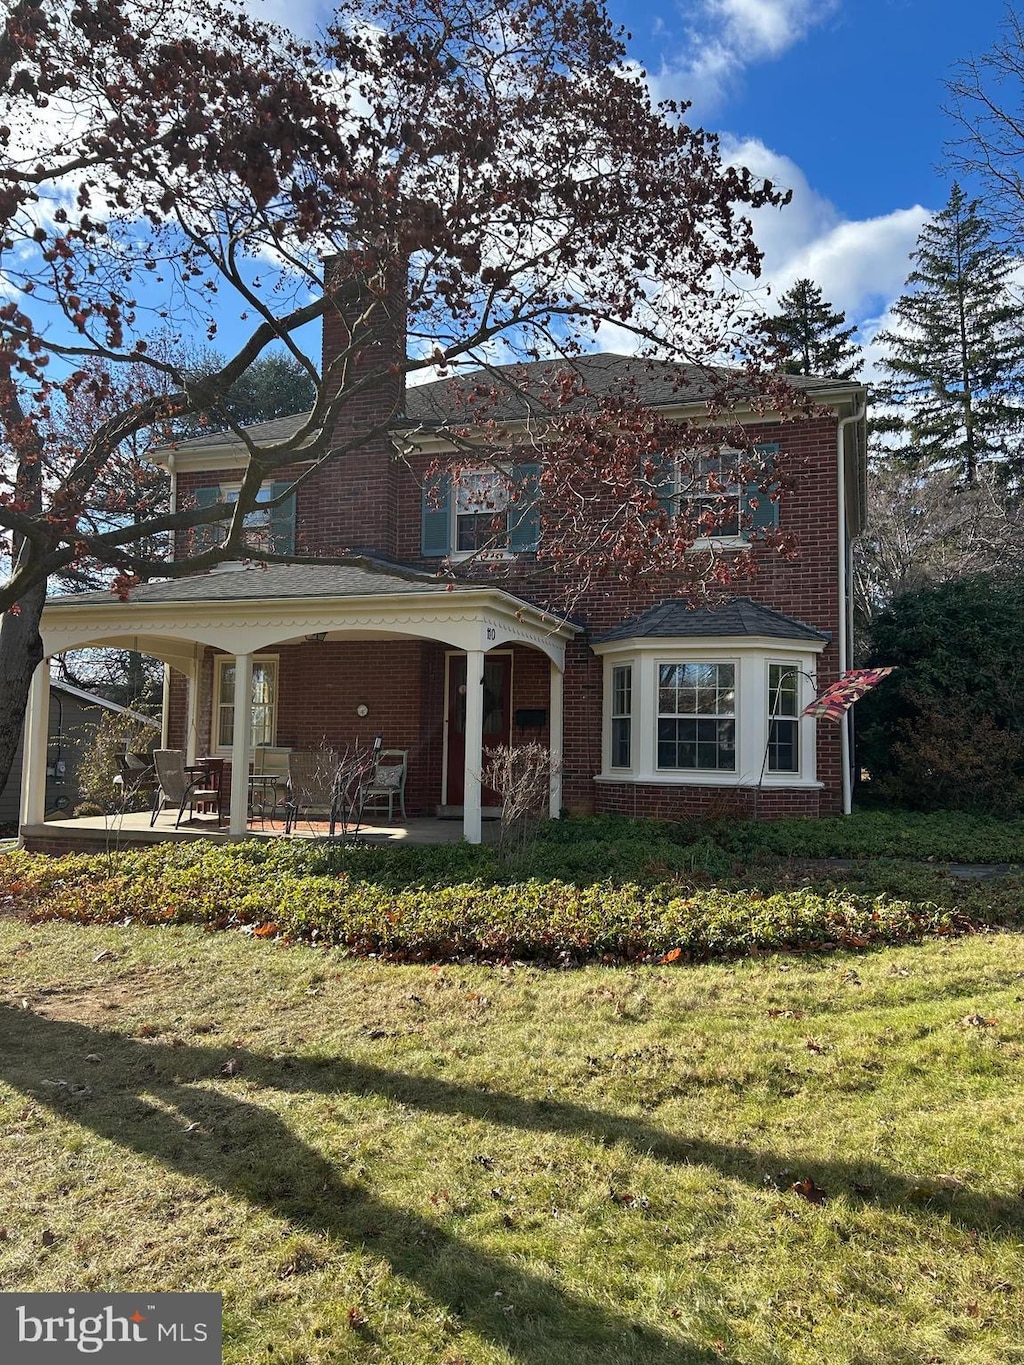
264,701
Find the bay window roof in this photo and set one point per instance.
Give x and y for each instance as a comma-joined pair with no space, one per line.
676,619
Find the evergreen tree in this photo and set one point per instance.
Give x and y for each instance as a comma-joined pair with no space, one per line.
814,336
955,360
274,385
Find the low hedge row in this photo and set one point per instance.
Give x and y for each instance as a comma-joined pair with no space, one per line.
537,920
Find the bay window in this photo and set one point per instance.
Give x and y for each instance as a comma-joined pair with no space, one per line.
707,712
697,716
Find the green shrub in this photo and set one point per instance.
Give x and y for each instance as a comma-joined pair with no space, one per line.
270,891
946,731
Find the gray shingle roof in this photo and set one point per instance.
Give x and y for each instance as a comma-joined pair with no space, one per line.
276,581
742,616
658,383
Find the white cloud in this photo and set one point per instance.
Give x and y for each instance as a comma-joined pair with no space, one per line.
859,264
725,37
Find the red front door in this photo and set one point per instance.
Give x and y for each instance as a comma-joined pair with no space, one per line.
497,719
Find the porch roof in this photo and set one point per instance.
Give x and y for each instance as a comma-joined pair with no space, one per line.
246,609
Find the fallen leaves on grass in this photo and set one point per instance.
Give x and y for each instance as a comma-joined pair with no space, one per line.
977,1021
807,1189
627,1200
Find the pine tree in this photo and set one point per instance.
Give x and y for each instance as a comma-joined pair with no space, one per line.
813,334
955,359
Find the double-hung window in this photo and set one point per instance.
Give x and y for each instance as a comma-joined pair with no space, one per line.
271,529
481,511
264,701
697,716
783,718
709,496
622,716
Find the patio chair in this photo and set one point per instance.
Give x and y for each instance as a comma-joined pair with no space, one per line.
385,783
313,786
177,785
137,773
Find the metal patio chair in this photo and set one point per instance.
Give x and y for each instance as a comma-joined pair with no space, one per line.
176,785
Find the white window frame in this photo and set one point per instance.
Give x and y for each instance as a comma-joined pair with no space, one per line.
503,479
258,527
732,717
793,667
752,658
686,490
221,662
619,715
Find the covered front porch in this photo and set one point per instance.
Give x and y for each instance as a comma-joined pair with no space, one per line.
359,652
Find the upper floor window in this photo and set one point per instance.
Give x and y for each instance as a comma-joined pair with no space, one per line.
481,511
715,497
711,495
267,528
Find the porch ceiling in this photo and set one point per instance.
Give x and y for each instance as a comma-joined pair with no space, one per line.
246,610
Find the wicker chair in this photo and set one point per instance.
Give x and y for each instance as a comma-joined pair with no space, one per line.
175,785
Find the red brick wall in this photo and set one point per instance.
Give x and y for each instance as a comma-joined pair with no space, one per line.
374,502
402,683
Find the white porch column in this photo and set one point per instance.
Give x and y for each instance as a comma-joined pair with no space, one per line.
36,740
241,748
555,738
472,824
191,712
165,710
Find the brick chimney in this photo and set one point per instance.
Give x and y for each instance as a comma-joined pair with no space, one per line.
352,503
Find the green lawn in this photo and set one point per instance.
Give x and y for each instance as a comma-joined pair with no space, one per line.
470,1164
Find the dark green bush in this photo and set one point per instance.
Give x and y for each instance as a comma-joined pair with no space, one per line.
946,730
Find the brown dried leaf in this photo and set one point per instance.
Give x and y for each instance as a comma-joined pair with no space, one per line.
807,1189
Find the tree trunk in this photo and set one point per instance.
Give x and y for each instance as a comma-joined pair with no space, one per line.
21,649
21,646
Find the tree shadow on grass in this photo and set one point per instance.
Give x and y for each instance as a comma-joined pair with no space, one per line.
303,1187
534,1320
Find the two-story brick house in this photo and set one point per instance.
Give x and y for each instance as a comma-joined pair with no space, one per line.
652,707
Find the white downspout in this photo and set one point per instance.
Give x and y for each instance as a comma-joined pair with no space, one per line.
845,626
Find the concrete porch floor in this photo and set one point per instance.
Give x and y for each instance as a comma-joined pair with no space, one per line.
98,833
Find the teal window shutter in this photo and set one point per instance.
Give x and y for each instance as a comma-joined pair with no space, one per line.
524,513
282,521
437,515
207,537
762,514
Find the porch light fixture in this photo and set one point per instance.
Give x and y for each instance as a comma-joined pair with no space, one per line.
317,638
362,710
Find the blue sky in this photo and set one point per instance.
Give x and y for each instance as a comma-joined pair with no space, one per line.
839,100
